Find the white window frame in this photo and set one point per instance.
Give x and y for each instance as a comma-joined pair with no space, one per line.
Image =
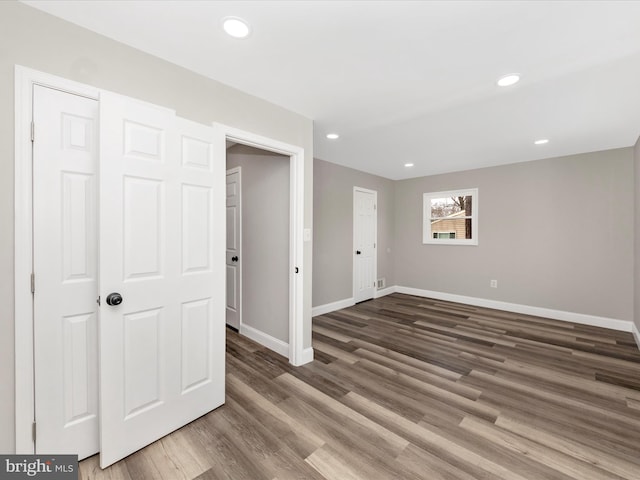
427,234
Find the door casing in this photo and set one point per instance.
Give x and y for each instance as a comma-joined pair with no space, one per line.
25,79
224,133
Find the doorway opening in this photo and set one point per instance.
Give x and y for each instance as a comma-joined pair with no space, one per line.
279,151
258,244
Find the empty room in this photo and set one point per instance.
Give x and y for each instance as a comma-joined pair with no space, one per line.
320,240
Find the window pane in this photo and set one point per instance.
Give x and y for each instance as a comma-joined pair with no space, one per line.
443,207
467,205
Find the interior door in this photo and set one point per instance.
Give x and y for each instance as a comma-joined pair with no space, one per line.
65,158
364,243
234,258
161,277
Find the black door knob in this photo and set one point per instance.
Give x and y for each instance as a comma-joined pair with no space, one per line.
358,252
234,258
114,299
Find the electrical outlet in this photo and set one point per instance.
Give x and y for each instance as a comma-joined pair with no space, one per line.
381,283
493,284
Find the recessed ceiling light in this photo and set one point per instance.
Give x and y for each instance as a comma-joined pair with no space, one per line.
408,164
508,80
333,136
236,27
542,141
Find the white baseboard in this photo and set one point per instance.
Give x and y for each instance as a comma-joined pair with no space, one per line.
612,323
265,340
385,291
347,302
332,307
636,333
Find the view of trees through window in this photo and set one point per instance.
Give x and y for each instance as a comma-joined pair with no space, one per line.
452,214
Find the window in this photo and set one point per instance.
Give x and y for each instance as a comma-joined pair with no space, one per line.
451,217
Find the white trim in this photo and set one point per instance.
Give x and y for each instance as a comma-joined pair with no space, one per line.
636,334
375,242
385,291
612,323
332,307
307,355
347,302
25,79
230,171
296,221
265,340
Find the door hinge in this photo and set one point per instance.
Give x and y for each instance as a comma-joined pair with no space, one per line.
33,431
98,300
375,206
33,283
33,128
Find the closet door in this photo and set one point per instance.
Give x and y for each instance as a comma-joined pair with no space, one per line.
161,275
65,263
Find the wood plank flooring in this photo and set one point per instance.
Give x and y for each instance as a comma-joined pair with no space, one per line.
410,388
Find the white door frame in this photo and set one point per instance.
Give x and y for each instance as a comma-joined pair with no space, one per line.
25,79
297,354
375,229
238,170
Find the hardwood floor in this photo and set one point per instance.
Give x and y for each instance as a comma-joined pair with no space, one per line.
410,388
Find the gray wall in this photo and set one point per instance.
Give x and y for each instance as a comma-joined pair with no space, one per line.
636,176
265,239
555,234
333,229
42,42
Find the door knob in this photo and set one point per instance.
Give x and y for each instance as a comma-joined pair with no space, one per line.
114,299
234,258
358,252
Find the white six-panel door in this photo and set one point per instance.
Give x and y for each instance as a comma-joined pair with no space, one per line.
234,257
65,256
126,199
364,243
161,212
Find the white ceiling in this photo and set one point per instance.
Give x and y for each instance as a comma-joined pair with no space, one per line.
409,81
